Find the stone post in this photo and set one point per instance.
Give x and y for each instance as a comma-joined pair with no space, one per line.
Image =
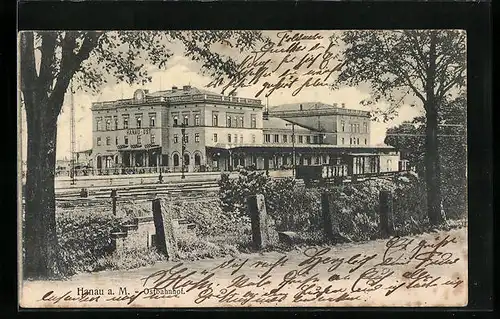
330,224
386,213
114,196
165,239
256,207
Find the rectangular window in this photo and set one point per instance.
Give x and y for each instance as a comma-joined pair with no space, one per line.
308,139
215,137
235,138
197,120
241,139
139,139
228,121
267,138
186,139
125,122
176,138
125,140
242,123
229,138
285,138
152,120
186,120
253,138
108,140
343,142
197,137
152,138
138,120
301,139
215,119
276,138
115,119
116,140
235,122
254,121
98,124
108,124
315,139
342,123
98,141
365,141
365,128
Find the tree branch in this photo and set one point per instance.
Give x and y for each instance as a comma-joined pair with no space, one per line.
70,63
47,50
27,66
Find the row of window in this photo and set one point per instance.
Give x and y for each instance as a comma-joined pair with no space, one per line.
186,138
234,120
353,141
355,127
125,140
290,139
112,123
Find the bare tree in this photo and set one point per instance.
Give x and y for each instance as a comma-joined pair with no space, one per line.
428,64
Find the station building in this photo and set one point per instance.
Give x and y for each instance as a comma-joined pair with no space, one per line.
204,131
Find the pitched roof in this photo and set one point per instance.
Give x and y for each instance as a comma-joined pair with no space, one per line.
277,123
305,106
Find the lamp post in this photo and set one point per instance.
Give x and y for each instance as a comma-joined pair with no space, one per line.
183,149
293,146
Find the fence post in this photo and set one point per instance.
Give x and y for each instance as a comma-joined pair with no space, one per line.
256,207
114,195
386,213
164,239
329,226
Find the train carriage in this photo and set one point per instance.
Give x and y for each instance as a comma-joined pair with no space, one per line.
353,166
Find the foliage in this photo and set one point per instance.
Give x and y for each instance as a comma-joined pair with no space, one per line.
290,207
83,239
409,139
402,62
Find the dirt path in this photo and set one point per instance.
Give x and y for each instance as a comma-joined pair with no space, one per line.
426,270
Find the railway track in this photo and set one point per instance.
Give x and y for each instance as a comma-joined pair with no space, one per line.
136,192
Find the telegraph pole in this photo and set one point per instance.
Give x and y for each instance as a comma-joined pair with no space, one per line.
293,146
183,133
72,135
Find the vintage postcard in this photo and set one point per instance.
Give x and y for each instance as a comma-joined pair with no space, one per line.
286,168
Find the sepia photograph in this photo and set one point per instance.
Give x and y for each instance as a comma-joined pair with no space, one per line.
242,168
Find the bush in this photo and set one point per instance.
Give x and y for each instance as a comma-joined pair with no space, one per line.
290,207
83,239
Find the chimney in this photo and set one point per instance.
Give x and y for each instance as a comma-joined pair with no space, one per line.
301,107
174,88
186,87
335,104
343,105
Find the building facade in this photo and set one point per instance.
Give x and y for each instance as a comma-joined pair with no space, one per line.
197,130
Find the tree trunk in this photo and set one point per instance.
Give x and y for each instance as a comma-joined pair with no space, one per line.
39,235
432,169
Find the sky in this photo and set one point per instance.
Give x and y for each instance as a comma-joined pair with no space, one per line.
181,70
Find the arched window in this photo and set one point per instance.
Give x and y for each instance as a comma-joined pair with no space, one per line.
176,160
197,159
197,120
176,120
186,159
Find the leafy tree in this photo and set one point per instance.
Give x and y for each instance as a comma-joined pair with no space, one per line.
428,64
409,138
49,61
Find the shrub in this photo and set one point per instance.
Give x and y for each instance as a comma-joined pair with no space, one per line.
83,239
290,207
